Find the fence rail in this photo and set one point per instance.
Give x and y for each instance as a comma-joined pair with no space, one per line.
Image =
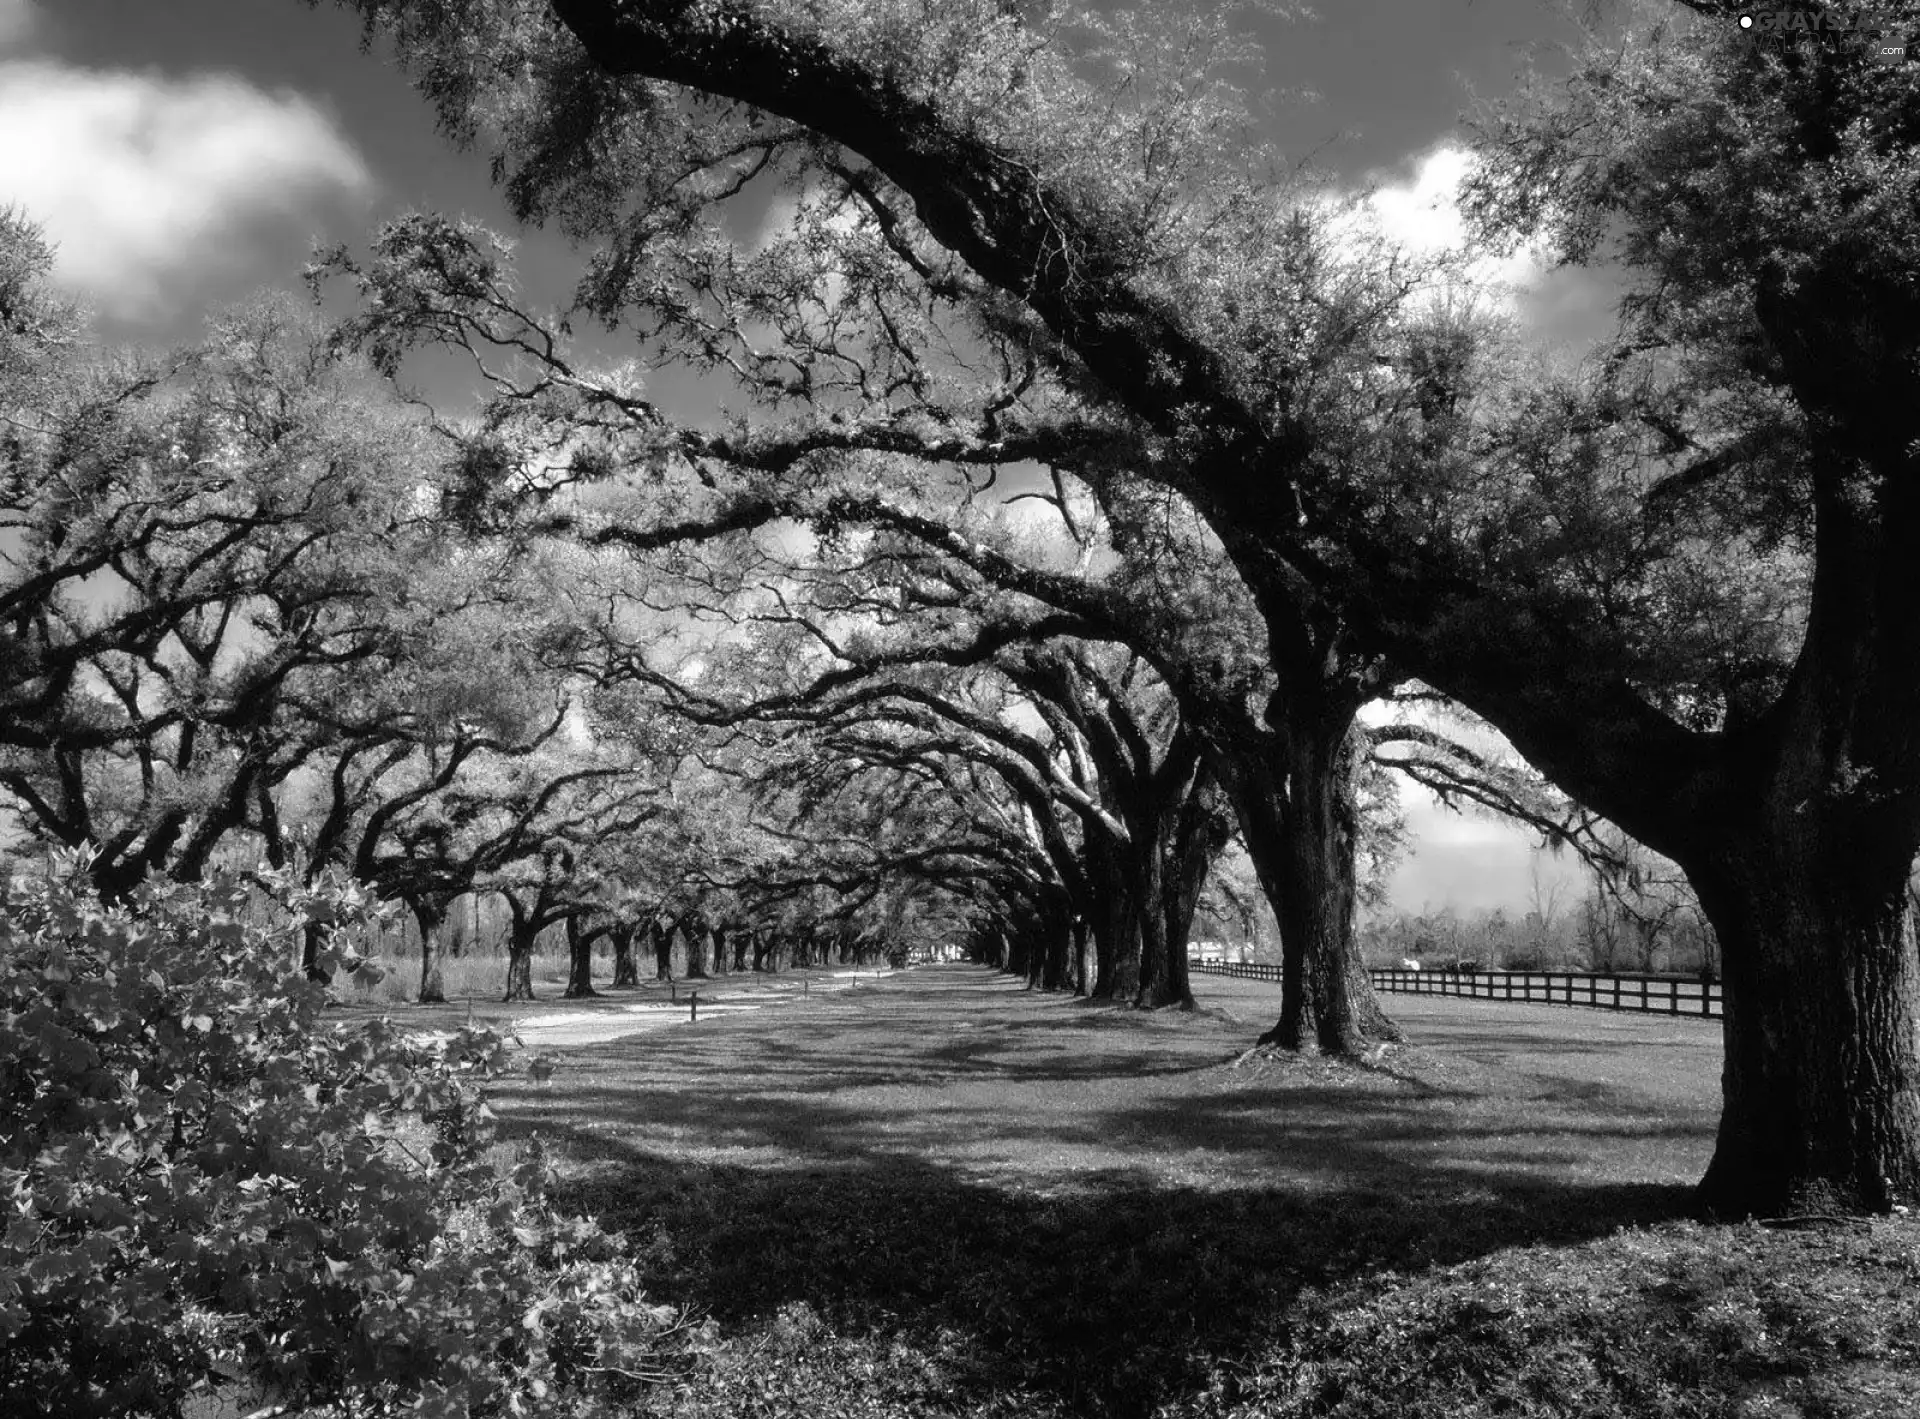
1642,994
1244,970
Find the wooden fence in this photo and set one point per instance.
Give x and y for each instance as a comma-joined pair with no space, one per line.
1653,995
1247,971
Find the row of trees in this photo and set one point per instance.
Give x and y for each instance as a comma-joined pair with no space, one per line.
1674,577
240,628
263,613
1047,250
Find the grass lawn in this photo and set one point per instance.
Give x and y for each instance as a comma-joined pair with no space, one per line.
938,1194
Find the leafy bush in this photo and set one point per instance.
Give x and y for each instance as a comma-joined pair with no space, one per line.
207,1187
1678,1321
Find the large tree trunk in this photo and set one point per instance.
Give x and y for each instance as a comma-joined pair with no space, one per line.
1821,1080
520,965
697,942
431,918
1299,819
1122,940
626,970
661,938
1162,977
579,961
1019,952
1204,829
1056,967
992,948
524,932
1039,932
1116,935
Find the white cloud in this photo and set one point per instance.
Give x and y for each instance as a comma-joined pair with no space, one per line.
16,23
1425,213
1421,214
146,183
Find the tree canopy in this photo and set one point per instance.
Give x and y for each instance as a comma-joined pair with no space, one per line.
1078,194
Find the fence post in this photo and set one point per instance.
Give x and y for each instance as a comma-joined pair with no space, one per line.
1618,994
695,1015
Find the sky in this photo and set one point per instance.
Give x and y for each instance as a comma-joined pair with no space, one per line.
185,153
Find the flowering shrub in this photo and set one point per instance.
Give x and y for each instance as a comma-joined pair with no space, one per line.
206,1186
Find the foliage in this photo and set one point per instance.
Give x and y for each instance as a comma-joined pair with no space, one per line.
34,325
1061,227
199,573
206,1186
1675,1322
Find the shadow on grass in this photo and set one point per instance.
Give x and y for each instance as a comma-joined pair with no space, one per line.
1108,1293
1112,1298
946,1197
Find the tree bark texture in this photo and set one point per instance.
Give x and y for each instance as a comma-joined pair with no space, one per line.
699,943
525,925
626,968
431,918
520,964
1821,982
579,961
1298,817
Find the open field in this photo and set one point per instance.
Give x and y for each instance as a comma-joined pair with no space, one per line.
940,1194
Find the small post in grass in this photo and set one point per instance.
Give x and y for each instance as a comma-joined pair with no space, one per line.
695,1015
